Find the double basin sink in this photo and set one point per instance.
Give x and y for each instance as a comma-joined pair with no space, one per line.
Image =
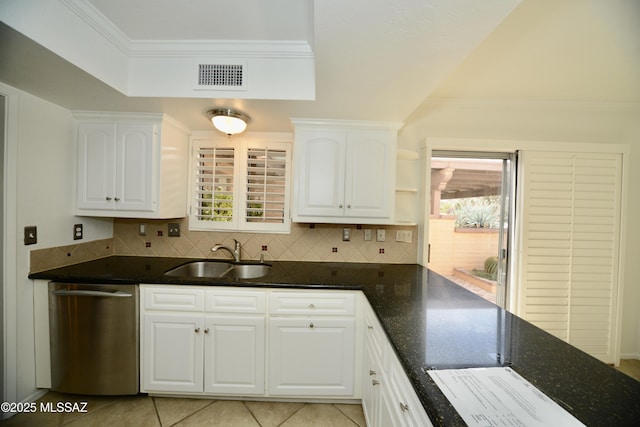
211,269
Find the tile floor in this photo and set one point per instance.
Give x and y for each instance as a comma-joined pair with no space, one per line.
142,411
165,411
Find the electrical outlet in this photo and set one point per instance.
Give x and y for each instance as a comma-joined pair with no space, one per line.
30,235
367,234
77,231
405,236
346,234
142,229
174,229
380,235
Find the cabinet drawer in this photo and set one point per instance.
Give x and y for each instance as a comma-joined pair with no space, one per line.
312,303
235,301
174,299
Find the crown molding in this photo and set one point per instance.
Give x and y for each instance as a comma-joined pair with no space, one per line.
185,48
225,48
96,20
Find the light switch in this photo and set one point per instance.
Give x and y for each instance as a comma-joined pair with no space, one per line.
30,235
367,234
380,235
346,234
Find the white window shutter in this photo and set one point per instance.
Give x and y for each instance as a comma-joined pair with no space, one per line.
570,247
214,185
241,185
267,186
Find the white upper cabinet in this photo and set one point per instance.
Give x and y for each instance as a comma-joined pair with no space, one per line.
131,166
344,171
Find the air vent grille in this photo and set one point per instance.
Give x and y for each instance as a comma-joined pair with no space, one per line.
221,75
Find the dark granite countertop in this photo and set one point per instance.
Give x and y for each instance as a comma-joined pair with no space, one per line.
432,323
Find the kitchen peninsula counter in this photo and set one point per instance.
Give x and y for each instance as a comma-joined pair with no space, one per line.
431,323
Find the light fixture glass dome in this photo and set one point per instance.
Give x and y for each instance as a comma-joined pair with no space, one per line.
228,121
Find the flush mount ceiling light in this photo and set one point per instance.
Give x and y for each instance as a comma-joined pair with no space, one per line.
228,121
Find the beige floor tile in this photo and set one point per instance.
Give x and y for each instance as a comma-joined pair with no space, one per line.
222,413
319,415
33,419
138,411
272,414
354,412
171,410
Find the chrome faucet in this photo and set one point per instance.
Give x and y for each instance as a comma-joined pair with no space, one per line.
235,253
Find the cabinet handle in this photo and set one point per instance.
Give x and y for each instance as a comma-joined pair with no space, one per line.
108,199
375,382
312,306
197,330
372,372
404,407
311,325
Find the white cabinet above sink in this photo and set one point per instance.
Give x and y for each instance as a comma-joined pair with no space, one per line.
131,165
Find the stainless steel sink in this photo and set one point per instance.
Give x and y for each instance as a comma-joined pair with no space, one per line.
218,269
250,271
201,269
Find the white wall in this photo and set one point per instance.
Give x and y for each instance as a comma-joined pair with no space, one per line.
41,143
490,124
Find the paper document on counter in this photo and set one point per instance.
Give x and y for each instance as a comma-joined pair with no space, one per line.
487,397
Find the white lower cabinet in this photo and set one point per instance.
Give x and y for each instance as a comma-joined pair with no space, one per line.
312,343
388,398
186,350
172,352
311,356
234,355
199,340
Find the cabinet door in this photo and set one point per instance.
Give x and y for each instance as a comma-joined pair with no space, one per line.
134,167
172,352
370,174
311,357
320,166
234,355
96,166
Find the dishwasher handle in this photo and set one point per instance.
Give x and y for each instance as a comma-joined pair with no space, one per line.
87,293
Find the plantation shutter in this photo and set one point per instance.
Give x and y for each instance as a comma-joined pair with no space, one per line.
266,185
215,179
570,247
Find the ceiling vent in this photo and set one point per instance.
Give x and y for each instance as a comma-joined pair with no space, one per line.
223,76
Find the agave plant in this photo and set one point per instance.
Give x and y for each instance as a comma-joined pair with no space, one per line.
477,212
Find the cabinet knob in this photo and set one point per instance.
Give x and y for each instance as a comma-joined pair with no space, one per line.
311,325
117,199
340,206
372,372
348,206
404,407
312,306
375,382
369,327
108,199
197,330
206,331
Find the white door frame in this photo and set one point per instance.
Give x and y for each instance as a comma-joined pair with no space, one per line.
9,242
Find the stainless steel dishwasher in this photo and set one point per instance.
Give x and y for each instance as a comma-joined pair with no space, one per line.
94,337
